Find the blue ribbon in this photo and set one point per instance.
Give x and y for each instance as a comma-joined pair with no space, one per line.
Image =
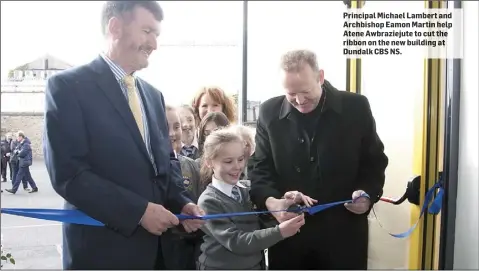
78,217
434,208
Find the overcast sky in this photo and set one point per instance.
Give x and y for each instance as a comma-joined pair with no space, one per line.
70,30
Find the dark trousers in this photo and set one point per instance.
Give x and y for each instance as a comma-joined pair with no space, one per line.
10,166
326,244
23,175
3,168
180,253
160,260
14,172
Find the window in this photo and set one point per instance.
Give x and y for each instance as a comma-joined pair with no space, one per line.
199,45
276,27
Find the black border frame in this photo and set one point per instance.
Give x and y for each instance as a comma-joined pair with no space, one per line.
451,160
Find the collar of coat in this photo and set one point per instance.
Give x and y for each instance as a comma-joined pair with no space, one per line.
332,102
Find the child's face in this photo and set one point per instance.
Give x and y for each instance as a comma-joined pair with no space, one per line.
209,128
229,162
174,128
188,126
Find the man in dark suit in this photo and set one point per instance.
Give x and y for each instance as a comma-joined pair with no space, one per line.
23,157
331,151
5,153
130,180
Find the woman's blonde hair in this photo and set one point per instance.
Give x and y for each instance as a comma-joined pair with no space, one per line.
213,144
218,95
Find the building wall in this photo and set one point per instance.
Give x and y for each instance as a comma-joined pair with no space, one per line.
30,123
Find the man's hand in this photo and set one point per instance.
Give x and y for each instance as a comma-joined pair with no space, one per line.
192,225
360,205
274,204
299,198
157,219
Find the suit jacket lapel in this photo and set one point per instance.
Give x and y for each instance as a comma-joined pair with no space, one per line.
111,88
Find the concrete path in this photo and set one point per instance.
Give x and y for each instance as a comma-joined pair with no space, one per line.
34,244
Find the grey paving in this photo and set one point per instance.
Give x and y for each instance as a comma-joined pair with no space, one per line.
35,244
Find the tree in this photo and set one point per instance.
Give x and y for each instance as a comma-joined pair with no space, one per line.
11,73
235,99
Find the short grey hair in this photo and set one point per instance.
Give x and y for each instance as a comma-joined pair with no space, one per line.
293,61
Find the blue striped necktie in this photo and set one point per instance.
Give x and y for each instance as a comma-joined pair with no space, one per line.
235,193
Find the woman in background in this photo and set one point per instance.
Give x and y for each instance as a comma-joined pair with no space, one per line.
213,99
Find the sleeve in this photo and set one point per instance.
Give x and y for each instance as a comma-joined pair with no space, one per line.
66,151
177,193
196,180
24,151
225,232
261,169
373,161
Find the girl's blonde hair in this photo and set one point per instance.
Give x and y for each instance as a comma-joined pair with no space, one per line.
213,144
246,133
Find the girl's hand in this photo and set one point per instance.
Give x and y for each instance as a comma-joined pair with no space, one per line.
299,198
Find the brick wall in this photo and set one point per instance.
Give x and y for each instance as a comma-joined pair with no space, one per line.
30,123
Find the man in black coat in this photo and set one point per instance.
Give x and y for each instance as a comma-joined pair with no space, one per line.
330,151
5,152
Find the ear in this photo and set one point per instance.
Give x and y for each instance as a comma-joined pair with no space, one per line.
115,28
208,164
320,77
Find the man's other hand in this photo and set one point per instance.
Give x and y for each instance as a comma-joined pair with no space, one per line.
299,198
274,204
157,219
192,225
360,205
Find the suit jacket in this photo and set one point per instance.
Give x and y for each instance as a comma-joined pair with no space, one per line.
98,163
24,155
346,155
13,155
5,148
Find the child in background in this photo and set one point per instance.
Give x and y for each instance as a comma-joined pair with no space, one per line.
236,242
247,134
210,122
181,249
188,136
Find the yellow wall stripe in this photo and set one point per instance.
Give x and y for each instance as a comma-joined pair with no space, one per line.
353,65
426,160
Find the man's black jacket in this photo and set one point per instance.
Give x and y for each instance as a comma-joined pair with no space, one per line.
346,155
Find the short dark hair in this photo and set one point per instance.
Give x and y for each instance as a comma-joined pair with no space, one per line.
118,8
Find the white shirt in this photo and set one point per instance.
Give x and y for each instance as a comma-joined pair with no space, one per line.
224,187
194,143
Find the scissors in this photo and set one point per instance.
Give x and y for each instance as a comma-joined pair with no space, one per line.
296,208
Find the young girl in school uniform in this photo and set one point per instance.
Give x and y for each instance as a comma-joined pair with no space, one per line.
235,242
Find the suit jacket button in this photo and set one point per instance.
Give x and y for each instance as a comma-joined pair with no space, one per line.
298,169
301,140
